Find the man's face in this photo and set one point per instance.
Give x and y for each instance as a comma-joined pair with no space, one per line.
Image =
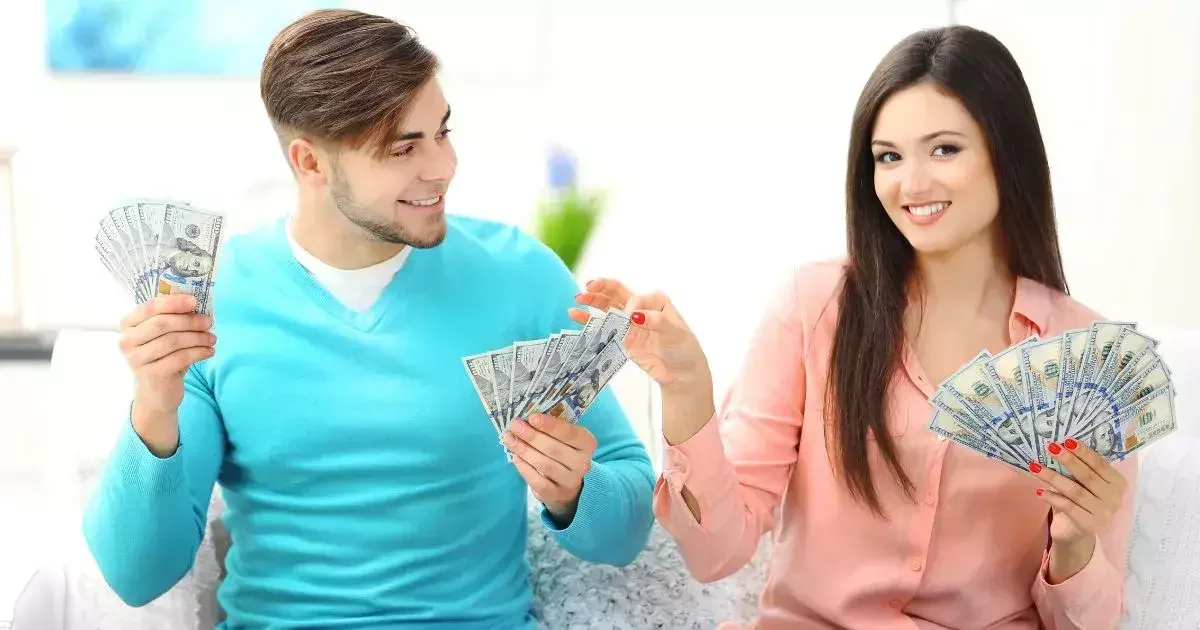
401,198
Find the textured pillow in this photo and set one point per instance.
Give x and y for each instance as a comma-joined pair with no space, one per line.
1162,586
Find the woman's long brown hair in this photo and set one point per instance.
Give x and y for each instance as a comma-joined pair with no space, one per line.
978,70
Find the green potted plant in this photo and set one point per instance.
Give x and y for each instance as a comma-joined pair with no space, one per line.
566,217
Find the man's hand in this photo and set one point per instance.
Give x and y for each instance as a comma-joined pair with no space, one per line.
552,456
1083,507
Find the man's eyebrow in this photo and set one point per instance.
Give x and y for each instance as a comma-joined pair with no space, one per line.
925,138
417,135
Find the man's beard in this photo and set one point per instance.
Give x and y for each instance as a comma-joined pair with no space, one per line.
344,201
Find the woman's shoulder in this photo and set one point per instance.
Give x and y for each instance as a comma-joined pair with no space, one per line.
813,288
1054,311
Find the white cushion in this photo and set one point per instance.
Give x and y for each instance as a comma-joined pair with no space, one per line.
1162,586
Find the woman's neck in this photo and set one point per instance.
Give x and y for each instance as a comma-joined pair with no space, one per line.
971,281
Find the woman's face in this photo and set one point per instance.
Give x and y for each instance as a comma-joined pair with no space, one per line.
933,173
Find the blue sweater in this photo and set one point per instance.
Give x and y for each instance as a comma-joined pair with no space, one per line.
364,484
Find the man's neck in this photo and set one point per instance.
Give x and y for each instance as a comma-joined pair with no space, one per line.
970,281
330,237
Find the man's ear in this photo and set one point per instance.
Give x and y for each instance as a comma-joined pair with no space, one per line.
308,161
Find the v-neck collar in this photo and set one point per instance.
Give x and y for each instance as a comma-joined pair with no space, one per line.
391,298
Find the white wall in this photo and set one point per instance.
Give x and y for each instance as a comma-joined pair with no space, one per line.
1115,84
719,128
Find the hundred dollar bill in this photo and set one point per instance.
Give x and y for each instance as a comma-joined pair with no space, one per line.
972,388
1116,438
150,216
109,258
943,423
614,326
479,367
187,254
1073,344
126,243
594,323
1155,377
591,381
544,382
985,436
502,373
1100,340
1004,372
526,357
1040,372
1128,350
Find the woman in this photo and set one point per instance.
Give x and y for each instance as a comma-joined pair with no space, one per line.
878,524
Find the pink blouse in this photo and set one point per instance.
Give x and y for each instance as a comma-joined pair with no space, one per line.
971,552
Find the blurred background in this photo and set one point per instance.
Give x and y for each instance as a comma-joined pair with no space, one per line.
712,132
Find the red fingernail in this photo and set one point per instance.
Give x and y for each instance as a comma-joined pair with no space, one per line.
1040,491
1054,448
1035,467
1071,444
638,318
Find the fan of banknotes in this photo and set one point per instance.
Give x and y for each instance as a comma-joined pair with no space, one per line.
1105,386
560,375
157,247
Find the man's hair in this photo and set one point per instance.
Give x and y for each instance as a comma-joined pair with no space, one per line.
344,77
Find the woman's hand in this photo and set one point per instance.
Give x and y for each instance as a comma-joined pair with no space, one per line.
1083,507
659,342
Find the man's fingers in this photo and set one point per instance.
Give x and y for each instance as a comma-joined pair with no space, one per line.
568,433
544,463
543,488
168,344
179,361
163,304
160,325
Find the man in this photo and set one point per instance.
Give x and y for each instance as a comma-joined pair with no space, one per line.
363,479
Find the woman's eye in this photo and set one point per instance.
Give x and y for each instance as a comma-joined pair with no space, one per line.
887,156
945,150
403,151
444,133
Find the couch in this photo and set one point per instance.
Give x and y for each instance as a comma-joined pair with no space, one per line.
1163,579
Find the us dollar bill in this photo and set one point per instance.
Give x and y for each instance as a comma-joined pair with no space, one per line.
1116,437
986,438
591,382
1127,351
546,382
479,369
1004,372
972,387
502,373
527,355
187,254
945,424
1074,343
1040,372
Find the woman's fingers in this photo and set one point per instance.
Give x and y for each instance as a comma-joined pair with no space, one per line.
578,315
613,291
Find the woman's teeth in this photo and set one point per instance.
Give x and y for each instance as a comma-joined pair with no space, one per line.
424,202
928,209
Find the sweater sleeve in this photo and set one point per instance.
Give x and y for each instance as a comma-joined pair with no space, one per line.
146,519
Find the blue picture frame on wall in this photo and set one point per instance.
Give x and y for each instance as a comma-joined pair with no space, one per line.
225,38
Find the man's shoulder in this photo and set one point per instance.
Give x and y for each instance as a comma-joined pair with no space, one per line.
499,244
